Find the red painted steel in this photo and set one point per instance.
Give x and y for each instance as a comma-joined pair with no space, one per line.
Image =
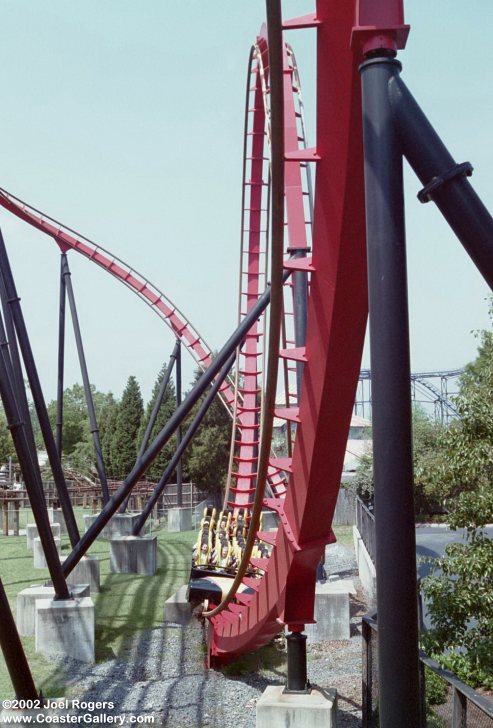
68,239
254,251
337,314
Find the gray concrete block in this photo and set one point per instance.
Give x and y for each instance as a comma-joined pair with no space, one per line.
32,533
39,556
179,519
270,520
26,604
58,517
331,612
65,628
366,568
121,524
87,571
177,608
276,709
133,555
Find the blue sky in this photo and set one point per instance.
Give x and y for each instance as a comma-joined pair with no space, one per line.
124,119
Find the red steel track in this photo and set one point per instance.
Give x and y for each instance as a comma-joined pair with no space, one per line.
337,313
253,265
68,239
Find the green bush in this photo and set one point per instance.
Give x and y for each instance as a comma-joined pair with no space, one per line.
435,688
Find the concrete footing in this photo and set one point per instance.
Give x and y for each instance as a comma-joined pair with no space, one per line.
65,628
133,555
121,524
177,608
276,709
179,519
32,533
26,604
270,520
366,567
331,612
39,555
58,517
87,571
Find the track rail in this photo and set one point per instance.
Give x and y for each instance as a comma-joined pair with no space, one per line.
68,239
250,365
337,313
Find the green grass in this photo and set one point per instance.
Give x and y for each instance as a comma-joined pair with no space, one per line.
127,603
344,535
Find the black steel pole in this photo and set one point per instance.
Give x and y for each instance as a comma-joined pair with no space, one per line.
61,360
297,675
184,443
445,182
32,479
179,474
399,702
162,438
13,314
14,365
13,652
98,453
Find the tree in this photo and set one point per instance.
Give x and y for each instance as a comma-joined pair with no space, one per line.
107,426
460,589
123,450
7,449
459,593
427,458
168,406
206,460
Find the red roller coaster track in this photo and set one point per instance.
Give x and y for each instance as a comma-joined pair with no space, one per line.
68,239
337,313
336,321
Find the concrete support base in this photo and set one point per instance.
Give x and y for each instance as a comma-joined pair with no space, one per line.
26,604
179,519
65,628
366,567
87,571
177,608
39,555
276,709
133,555
58,517
331,612
32,533
270,521
121,524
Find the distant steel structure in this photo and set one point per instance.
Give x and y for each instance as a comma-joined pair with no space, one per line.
434,390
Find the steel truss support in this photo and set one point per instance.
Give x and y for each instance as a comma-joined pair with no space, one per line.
17,331
87,385
395,126
61,361
184,443
13,652
163,437
179,474
390,366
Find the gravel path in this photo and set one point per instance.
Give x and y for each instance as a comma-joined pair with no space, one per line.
162,672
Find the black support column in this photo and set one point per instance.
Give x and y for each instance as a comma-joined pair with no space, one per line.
391,400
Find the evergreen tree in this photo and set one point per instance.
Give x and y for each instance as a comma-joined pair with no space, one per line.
206,460
168,406
124,445
107,426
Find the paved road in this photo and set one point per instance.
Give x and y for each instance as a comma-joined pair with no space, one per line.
432,540
430,544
